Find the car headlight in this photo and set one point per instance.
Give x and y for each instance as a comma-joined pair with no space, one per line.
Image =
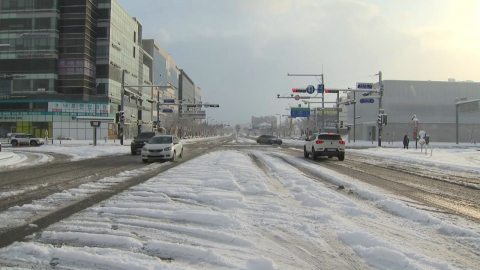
144,149
168,148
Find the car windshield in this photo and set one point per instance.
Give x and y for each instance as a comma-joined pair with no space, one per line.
145,135
160,140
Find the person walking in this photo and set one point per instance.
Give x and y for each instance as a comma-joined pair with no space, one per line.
406,140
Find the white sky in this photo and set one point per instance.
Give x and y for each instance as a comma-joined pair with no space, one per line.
222,212
239,52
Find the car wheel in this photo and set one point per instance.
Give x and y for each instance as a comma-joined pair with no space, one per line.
144,160
14,143
33,143
341,158
181,154
258,141
133,152
330,156
174,156
305,153
270,142
314,155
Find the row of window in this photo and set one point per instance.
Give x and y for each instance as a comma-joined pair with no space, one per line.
29,24
27,4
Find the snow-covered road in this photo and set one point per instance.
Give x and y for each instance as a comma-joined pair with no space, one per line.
248,209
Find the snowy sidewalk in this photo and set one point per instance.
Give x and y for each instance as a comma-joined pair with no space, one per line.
6,155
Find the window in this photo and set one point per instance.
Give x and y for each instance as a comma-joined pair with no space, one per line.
134,36
102,32
133,51
43,23
103,14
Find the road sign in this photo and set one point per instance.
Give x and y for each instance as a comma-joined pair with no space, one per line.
299,112
368,86
331,91
321,88
367,100
167,110
299,90
297,97
169,101
310,89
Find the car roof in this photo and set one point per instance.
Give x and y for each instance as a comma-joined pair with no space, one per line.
156,136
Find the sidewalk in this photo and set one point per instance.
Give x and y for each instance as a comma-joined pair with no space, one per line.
5,155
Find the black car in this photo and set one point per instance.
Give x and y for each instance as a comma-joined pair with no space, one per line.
139,141
270,139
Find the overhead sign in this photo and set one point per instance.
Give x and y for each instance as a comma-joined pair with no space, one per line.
310,89
167,110
299,90
169,101
469,107
368,86
299,112
321,88
367,100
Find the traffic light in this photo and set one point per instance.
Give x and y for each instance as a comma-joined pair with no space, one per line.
331,91
121,116
341,124
367,94
379,119
384,119
214,105
299,90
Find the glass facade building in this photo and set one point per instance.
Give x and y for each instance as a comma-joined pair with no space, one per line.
64,58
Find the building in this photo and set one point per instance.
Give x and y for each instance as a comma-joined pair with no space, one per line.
60,59
433,102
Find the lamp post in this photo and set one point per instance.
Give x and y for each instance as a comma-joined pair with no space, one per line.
415,129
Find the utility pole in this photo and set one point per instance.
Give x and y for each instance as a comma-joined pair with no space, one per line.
354,116
323,105
338,113
380,110
122,92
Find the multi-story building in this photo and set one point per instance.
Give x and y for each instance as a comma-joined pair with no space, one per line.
165,73
433,102
61,59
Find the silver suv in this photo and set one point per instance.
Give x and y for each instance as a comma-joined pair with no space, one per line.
24,139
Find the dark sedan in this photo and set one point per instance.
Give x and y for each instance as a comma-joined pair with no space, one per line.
269,139
139,141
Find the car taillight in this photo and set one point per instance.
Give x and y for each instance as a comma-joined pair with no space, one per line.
319,141
342,142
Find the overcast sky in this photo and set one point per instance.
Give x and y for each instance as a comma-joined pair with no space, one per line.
240,51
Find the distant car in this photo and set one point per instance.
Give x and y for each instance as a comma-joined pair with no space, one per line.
324,144
17,139
140,141
162,147
269,139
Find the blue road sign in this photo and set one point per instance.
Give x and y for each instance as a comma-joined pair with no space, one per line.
310,89
364,85
167,110
299,112
169,101
367,100
321,88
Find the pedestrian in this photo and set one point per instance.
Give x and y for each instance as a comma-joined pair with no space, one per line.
406,140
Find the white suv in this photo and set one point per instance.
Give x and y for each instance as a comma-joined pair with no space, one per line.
24,139
324,144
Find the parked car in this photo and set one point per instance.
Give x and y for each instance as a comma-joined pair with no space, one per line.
162,147
324,144
17,139
139,141
270,139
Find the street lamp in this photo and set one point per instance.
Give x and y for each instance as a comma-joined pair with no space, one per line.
415,128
